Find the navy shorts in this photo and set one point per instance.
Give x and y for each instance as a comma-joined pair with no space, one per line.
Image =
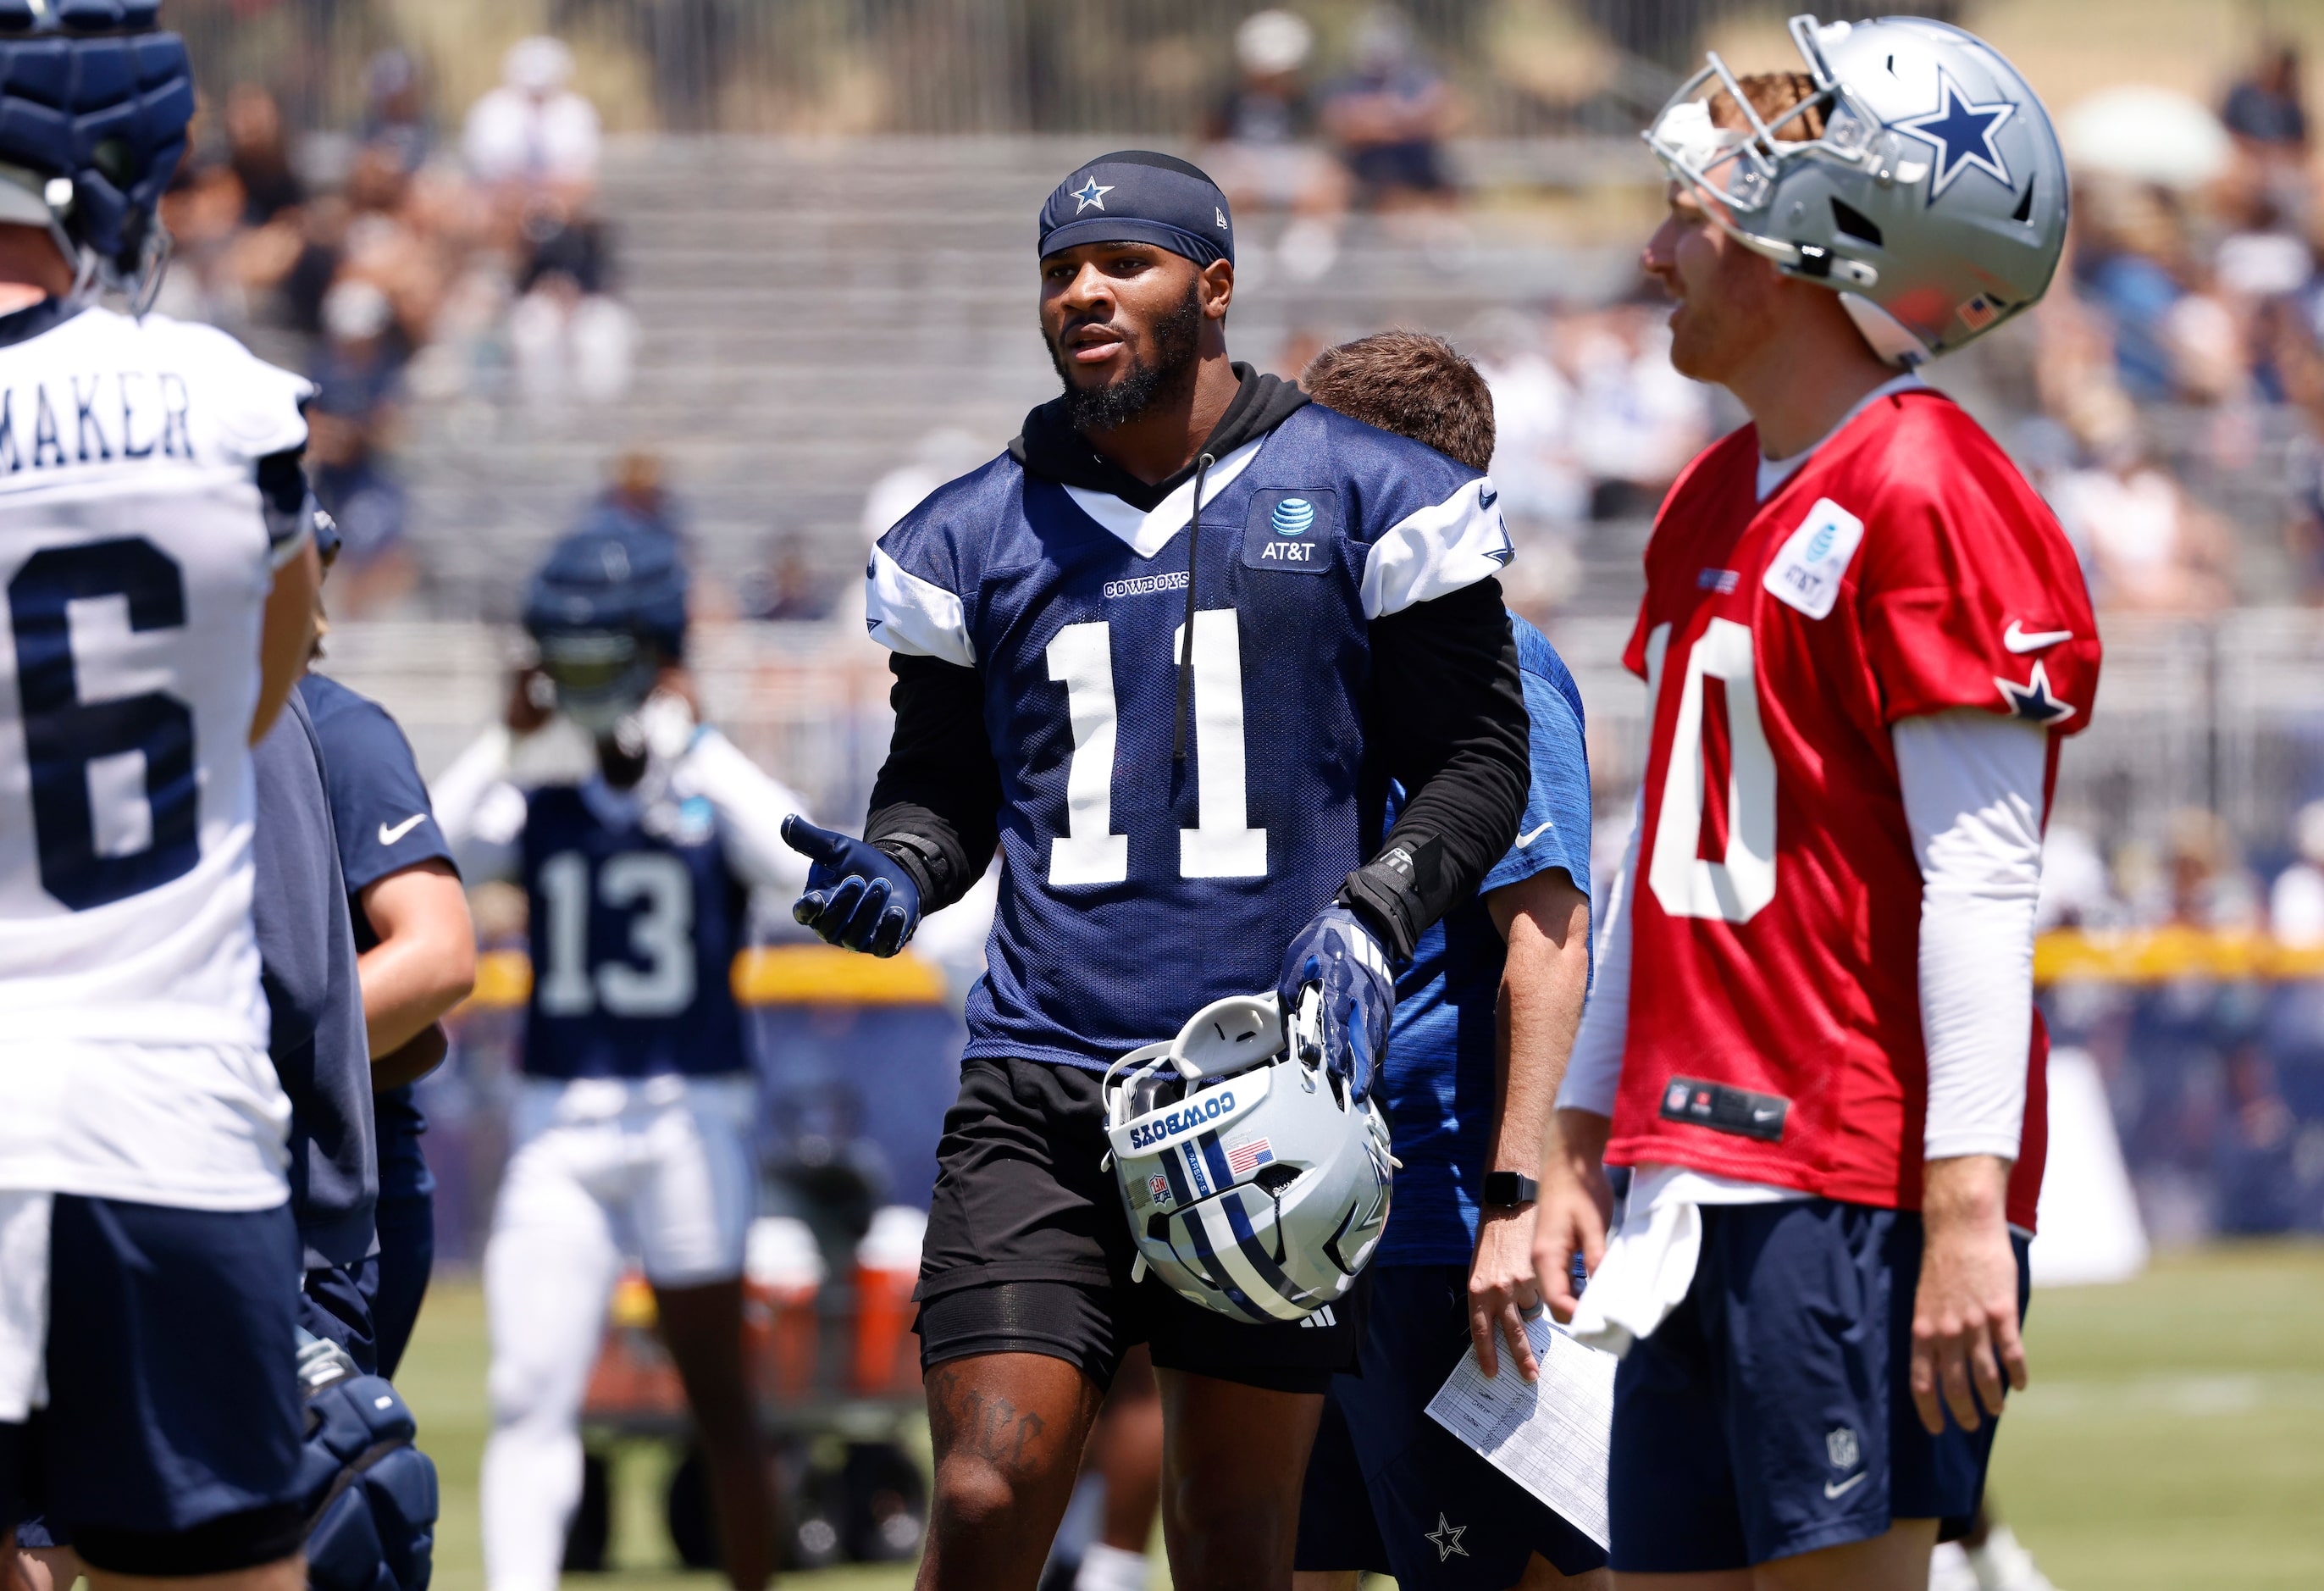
1771,1414
1390,1490
171,1439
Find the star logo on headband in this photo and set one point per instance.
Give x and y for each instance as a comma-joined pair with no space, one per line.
1962,132
1091,192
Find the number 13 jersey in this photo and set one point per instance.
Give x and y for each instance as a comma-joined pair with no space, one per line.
637,898
1905,569
135,558
1137,887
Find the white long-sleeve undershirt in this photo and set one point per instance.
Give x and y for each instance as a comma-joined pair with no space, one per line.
1972,782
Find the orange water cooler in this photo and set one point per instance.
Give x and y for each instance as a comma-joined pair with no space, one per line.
887,1269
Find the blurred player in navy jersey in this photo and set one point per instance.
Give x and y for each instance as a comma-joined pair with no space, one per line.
1180,823
1812,1037
634,1116
1485,1016
158,568
416,956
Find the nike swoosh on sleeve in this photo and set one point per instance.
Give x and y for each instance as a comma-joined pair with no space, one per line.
2018,640
1846,1486
1526,840
388,837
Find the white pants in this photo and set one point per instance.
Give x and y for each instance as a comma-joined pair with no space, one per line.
660,1165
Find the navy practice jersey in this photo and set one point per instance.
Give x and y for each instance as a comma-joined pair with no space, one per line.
1441,1080
1137,888
307,951
379,805
636,920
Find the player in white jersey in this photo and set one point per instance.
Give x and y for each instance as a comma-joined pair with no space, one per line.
159,576
635,1110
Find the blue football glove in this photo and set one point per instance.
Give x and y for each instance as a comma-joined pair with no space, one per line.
857,895
1338,957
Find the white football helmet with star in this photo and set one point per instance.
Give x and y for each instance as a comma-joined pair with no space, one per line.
1934,201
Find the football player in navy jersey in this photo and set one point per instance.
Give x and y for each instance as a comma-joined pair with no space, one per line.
1485,1017
1180,823
633,1119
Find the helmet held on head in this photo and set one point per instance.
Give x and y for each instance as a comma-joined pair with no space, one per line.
1920,177
607,611
1254,1183
95,101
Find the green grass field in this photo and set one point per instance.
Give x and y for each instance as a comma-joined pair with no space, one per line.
2174,1436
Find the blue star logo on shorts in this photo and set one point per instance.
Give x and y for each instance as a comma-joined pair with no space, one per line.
1962,132
1091,192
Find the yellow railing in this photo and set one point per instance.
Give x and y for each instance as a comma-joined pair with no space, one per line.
821,974
2157,955
783,974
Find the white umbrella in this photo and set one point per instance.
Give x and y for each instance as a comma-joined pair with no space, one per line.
2150,134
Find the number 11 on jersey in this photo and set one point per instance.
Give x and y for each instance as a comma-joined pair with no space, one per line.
1223,844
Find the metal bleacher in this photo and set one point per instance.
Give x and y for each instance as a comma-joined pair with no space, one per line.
810,309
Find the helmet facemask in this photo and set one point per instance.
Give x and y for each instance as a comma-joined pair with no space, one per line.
1734,170
603,677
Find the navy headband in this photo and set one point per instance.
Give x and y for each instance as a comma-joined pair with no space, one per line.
1136,196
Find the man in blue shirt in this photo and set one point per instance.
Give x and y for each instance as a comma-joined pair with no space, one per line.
1484,1018
416,959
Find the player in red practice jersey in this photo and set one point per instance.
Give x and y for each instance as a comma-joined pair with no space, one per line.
1812,1038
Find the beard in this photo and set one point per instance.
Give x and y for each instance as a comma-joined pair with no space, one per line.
1177,336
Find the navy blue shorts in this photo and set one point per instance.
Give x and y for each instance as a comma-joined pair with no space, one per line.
1771,1413
1390,1490
171,1441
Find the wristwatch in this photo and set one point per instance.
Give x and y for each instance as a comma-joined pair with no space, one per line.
1503,1188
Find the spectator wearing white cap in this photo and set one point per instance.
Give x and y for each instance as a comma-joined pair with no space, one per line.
534,130
1263,153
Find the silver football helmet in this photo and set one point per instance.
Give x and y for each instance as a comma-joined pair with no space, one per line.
1934,202
1255,1186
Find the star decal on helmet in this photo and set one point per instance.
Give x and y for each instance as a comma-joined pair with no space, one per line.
1093,192
1962,132
2034,701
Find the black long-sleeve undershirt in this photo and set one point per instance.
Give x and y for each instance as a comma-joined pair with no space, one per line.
1447,708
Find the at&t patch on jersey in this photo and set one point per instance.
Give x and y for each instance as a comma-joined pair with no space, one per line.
1293,529
1807,571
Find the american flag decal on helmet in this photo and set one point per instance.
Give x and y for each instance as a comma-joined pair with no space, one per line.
1244,1158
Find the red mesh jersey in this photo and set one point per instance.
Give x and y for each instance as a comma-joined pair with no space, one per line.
1905,569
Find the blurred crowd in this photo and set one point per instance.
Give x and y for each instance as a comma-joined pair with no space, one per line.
2216,1083
2180,377
396,265
1283,140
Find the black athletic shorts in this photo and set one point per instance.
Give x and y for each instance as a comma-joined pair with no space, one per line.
1029,1252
